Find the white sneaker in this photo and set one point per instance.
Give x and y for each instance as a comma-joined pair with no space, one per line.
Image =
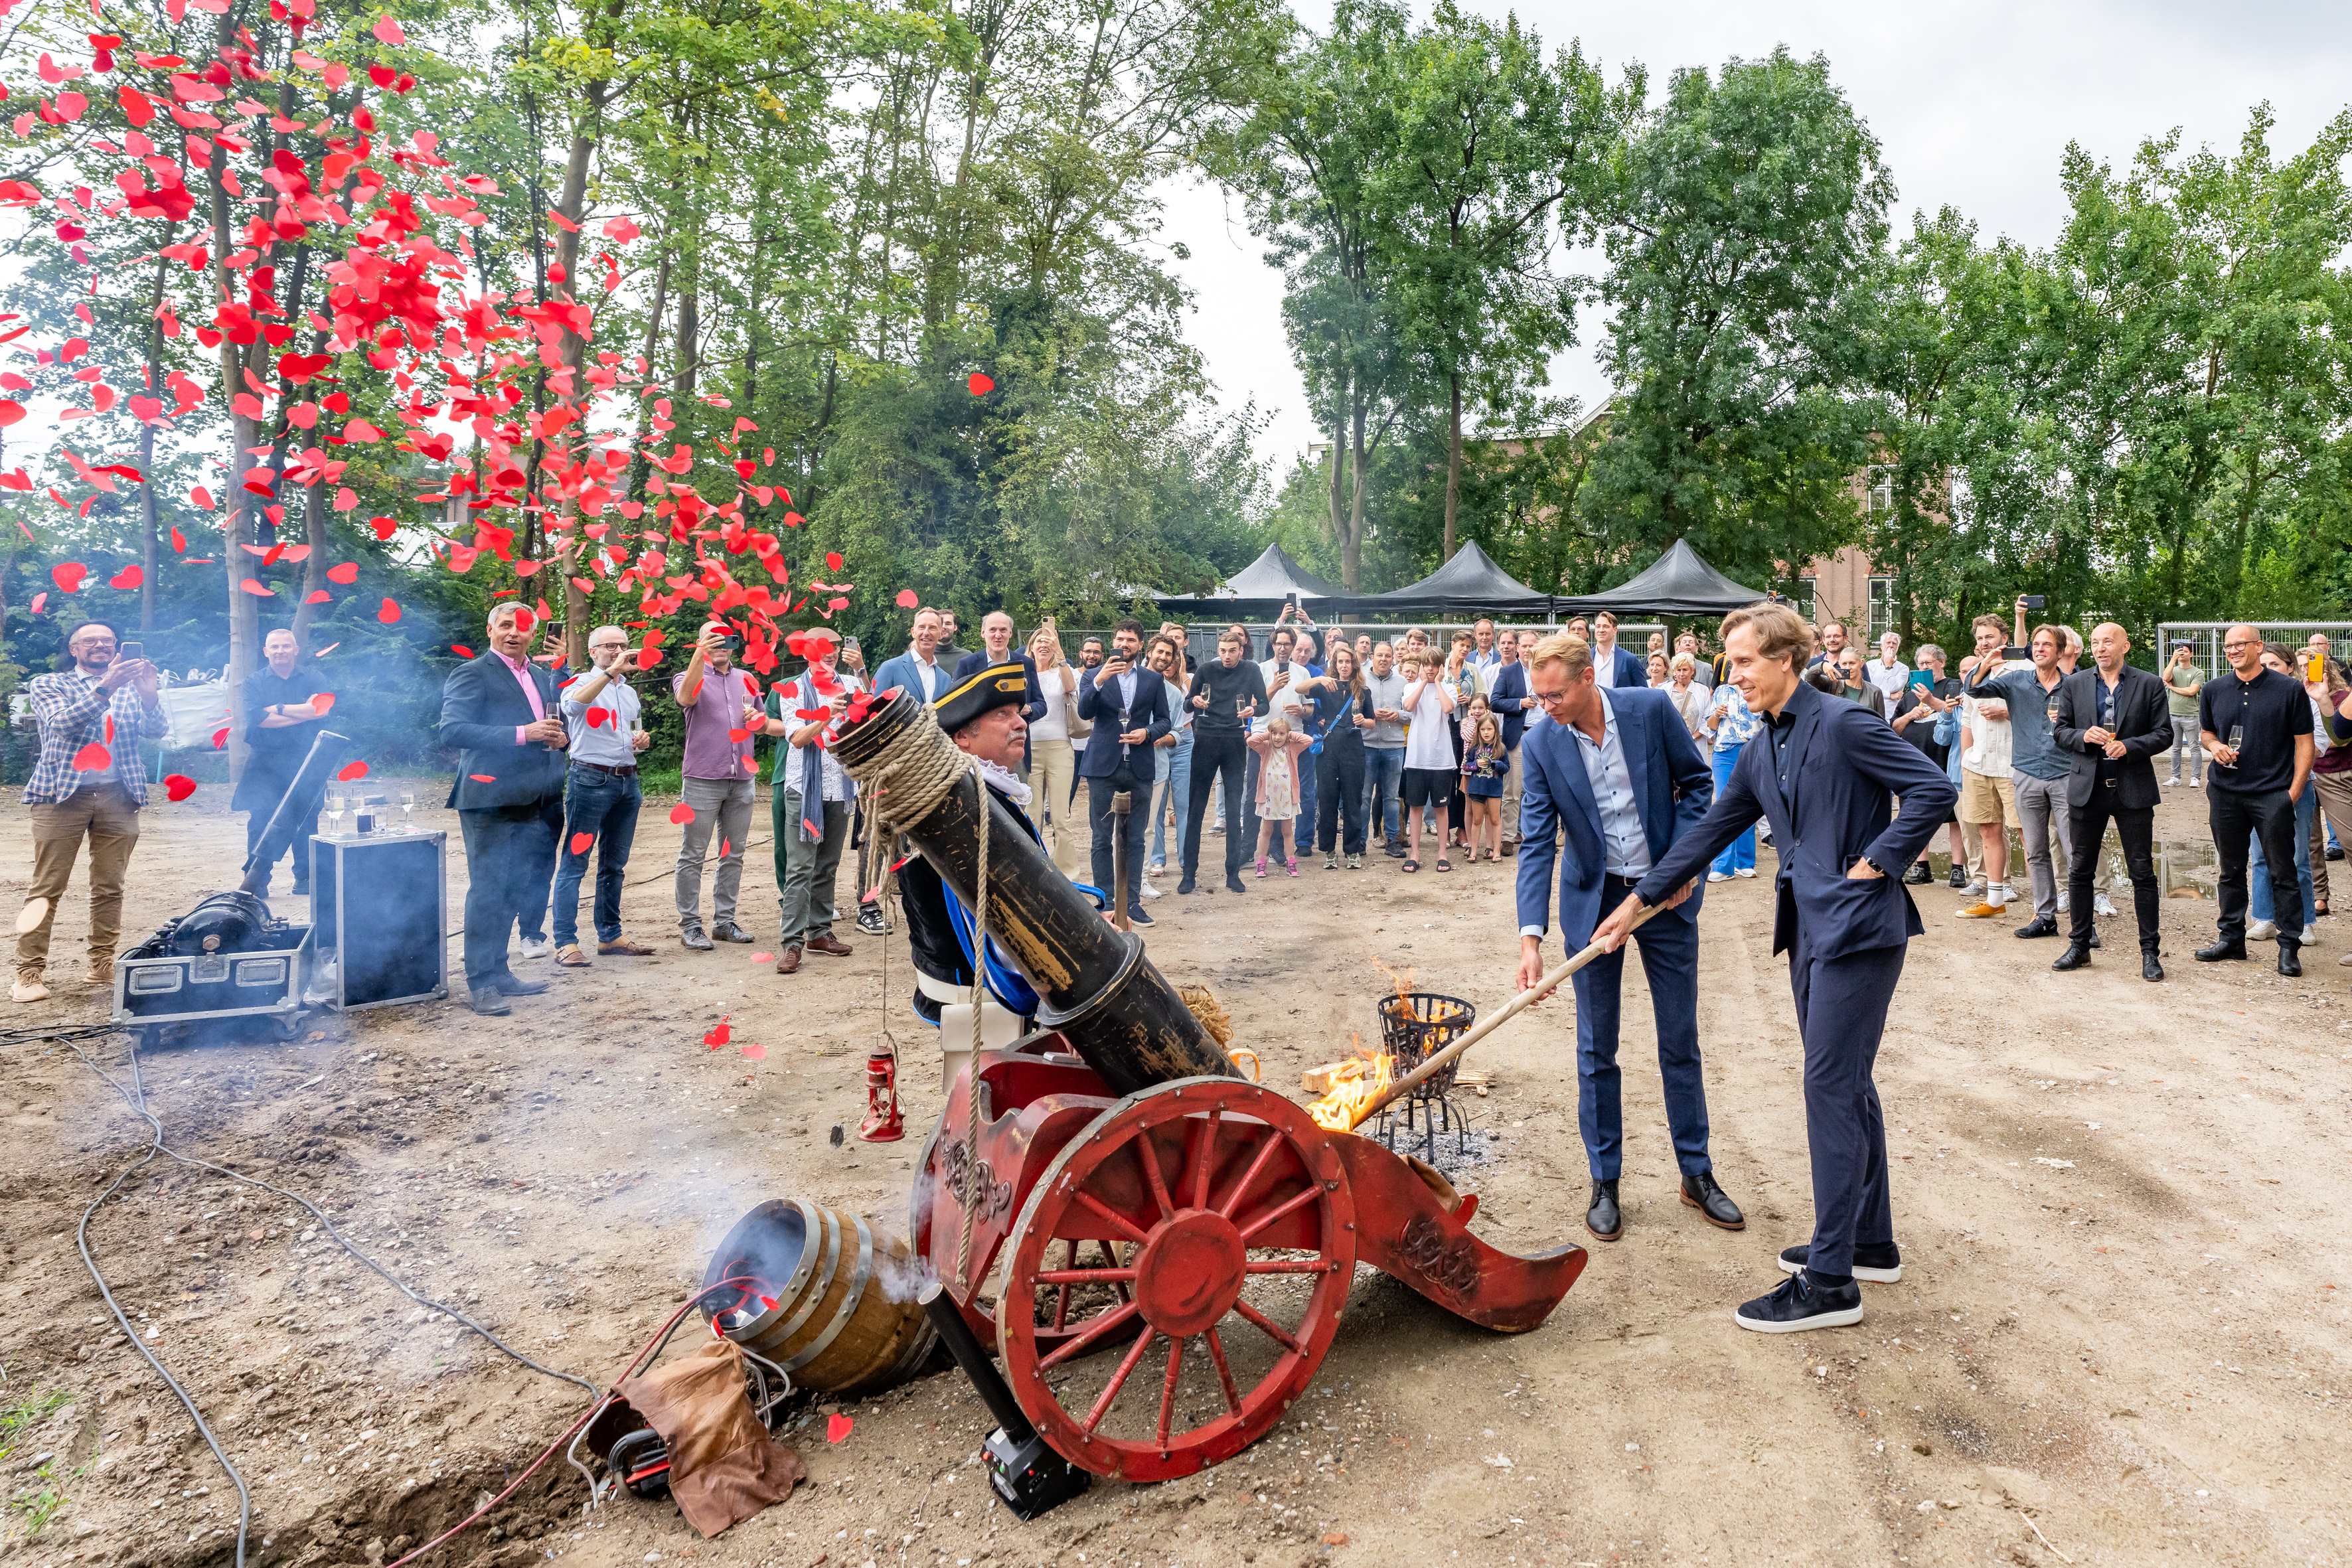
2062,901
1975,890
536,947
1745,871
1150,891
2103,905
1718,877
2262,930
2169,783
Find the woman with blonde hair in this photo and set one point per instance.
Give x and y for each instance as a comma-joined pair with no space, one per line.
1690,697
1053,760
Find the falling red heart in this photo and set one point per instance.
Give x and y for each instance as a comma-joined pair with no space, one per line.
908,598
681,813
178,786
323,702
523,621
318,596
739,736
257,590
581,842
461,650
980,386
383,526
345,572
599,717
68,575
837,1427
38,600
352,771
483,778
220,737
763,958
92,758
758,1053
718,1036
832,561
389,613
129,578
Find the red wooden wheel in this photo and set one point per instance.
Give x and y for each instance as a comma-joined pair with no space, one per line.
1207,1222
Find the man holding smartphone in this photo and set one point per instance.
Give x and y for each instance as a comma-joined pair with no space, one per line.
718,785
71,799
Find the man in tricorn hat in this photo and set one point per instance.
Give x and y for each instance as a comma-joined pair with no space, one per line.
982,714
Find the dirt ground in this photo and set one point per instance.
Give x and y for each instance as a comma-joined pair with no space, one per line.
2120,1337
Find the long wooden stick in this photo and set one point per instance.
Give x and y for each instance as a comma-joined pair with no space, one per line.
1491,1022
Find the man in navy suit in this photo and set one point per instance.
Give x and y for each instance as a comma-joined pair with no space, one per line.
498,713
1614,666
1823,770
996,648
1617,774
1128,706
1507,696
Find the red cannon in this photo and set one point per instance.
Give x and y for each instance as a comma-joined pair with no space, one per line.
1160,1250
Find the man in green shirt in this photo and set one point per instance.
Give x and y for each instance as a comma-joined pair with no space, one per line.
2182,681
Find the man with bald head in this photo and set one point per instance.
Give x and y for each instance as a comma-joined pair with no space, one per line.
2256,724
719,783
2113,722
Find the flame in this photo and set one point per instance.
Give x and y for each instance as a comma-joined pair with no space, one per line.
1403,983
1356,1085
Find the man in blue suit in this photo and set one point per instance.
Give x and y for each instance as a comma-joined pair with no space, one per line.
498,713
919,669
1616,667
1507,696
1617,775
1128,706
1823,770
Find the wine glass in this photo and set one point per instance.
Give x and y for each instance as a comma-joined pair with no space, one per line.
408,811
334,813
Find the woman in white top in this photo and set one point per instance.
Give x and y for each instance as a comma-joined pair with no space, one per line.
1690,697
1053,762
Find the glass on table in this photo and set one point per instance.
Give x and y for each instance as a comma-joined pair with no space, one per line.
336,804
408,811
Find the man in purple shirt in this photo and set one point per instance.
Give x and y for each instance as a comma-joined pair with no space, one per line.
721,782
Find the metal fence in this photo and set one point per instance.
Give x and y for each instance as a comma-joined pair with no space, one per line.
1200,638
2204,639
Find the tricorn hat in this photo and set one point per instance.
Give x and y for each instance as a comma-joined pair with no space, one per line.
997,686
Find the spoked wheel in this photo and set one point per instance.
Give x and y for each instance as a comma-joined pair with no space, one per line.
1207,1223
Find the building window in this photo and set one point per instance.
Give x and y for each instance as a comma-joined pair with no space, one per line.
1882,607
1806,601
1880,477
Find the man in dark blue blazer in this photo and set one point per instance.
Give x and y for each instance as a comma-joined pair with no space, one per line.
498,713
996,648
1620,669
1118,755
1823,770
1507,696
1616,773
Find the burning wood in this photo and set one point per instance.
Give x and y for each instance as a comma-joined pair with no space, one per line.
1353,1085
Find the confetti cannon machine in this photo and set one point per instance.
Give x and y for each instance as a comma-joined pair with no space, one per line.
1160,1249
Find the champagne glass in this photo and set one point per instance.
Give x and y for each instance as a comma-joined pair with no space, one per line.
2237,739
334,813
408,811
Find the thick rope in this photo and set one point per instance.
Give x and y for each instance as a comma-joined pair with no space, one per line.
972,1074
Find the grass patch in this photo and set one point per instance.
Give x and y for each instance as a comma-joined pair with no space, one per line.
38,1499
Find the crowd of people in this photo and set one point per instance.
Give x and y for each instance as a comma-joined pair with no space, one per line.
1315,741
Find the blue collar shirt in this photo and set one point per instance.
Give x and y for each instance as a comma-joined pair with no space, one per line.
1625,847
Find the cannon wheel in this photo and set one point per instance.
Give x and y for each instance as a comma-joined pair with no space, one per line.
1219,1162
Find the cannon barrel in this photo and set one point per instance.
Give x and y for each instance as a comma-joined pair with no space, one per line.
1098,988
297,806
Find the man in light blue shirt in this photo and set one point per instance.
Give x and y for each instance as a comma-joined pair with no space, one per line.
601,796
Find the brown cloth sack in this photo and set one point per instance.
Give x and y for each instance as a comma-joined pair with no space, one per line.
723,1466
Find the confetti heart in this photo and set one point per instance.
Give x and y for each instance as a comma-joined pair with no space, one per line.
907,599
38,600
322,702
346,572
68,575
837,1427
178,786
91,758
581,842
719,1035
461,650
832,561
758,1053
220,737
981,387
129,578
599,717
352,771
483,778
763,958
681,814
389,613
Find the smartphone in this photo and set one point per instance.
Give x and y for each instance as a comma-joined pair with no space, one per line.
1922,681
849,645
130,650
2036,601
2315,670
2013,651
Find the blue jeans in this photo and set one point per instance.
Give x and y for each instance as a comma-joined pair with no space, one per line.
606,806
1383,772
1741,855
2265,908
1177,788
1306,761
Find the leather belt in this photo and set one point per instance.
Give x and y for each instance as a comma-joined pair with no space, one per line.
628,772
2111,783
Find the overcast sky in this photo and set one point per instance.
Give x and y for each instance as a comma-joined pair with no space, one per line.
1972,104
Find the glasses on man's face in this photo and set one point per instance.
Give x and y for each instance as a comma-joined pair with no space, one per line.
2241,645
607,647
1551,698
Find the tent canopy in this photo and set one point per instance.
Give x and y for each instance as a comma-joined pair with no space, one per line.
1470,584
1258,589
1677,583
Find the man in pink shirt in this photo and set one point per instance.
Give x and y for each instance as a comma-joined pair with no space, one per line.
720,783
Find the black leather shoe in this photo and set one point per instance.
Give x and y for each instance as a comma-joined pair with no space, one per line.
2096,942
695,939
2149,969
1800,1304
515,986
1958,881
2290,964
1601,1216
728,931
1717,1209
2077,956
1233,882
2040,925
1881,1264
2224,949
1186,887
487,1001
1919,876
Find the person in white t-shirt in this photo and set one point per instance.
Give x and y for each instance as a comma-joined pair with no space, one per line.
1887,671
1431,772
1988,797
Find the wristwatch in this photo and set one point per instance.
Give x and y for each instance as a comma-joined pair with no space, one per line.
1872,864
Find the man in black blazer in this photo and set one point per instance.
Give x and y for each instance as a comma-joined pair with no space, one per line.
2112,720
1509,697
498,713
996,648
1825,773
1128,706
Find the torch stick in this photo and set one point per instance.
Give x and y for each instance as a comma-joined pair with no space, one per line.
1490,1022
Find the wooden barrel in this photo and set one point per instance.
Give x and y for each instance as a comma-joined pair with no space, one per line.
843,1319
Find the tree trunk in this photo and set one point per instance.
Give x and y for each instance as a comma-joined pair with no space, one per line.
1453,461
150,560
244,612
570,557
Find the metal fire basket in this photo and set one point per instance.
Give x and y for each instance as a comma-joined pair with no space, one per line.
1415,1027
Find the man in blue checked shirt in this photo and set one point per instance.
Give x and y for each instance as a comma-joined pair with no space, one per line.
110,706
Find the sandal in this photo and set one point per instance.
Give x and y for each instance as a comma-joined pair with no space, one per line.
1442,864
569,956
1411,866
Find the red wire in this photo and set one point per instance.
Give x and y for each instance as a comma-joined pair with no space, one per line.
598,1404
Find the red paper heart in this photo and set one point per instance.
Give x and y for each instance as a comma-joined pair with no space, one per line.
323,701
178,786
599,717
461,650
346,572
832,561
68,575
129,578
91,758
758,1053
763,958
389,613
681,813
220,738
352,771
907,599
483,778
980,386
581,842
837,1427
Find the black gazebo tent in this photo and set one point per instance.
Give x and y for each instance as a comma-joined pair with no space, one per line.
1677,583
1470,584
1256,591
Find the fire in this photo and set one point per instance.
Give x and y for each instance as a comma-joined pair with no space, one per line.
1356,1085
